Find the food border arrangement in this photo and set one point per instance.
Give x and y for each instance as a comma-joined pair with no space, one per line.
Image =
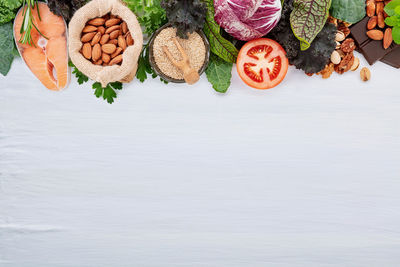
110,42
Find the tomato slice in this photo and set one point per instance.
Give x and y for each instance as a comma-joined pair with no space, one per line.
262,63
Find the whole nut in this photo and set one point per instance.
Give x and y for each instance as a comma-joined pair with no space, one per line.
375,34
106,58
387,38
335,57
89,28
104,39
113,41
117,52
129,39
99,62
379,7
124,27
365,74
96,52
88,37
371,8
108,48
348,45
116,60
121,42
101,30
372,22
87,51
96,39
340,36
113,28
112,22
114,34
96,22
356,64
381,20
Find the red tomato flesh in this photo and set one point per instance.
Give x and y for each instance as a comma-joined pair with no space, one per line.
262,63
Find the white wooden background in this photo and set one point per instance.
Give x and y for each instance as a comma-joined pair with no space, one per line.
306,174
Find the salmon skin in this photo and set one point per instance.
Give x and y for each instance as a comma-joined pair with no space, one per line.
47,58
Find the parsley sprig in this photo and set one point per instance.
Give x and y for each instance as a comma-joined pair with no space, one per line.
108,93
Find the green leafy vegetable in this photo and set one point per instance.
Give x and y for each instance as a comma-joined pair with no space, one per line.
351,11
315,58
11,4
393,10
219,73
65,8
6,47
149,12
144,67
187,16
307,19
82,78
218,45
108,93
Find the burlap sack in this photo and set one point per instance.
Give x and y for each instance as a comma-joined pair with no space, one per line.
97,8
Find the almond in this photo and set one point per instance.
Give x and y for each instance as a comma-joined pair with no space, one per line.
99,62
114,34
129,39
113,28
379,7
387,38
121,42
116,60
88,37
96,52
372,22
117,52
96,22
96,39
101,30
106,58
124,27
112,22
375,34
371,8
87,51
109,48
381,20
114,42
104,39
89,28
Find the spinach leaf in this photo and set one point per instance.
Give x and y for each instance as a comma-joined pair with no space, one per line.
351,11
219,73
307,19
6,47
218,45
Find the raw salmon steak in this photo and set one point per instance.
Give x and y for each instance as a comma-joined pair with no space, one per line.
47,58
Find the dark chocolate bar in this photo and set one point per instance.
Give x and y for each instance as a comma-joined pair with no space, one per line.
371,49
393,58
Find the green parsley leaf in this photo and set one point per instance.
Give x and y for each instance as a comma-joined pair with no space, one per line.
219,73
108,93
82,78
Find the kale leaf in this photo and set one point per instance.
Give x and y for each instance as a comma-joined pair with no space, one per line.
187,16
315,58
219,73
65,8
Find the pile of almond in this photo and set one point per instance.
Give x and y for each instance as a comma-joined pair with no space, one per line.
376,28
342,58
105,39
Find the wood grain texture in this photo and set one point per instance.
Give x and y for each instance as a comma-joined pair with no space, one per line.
306,174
